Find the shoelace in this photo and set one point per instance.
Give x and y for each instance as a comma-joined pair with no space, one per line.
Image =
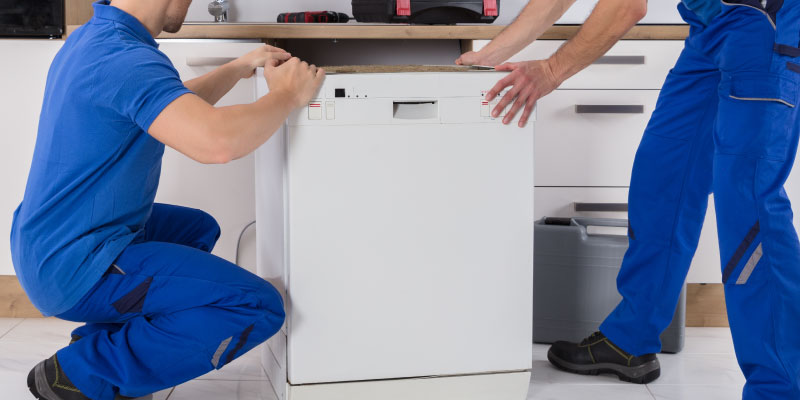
591,339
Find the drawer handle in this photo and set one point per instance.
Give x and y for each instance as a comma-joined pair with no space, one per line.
208,61
601,207
620,60
609,109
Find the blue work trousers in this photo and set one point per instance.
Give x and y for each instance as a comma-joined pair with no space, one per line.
167,311
726,122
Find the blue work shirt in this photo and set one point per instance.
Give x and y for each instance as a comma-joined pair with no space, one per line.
95,169
705,9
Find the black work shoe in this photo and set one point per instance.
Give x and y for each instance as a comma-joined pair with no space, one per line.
47,381
597,355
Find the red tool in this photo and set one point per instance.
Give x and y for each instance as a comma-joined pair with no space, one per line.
313,17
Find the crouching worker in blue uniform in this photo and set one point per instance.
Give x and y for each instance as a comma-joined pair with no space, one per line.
726,122
88,243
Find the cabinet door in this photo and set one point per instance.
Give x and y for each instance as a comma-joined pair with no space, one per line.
224,191
23,74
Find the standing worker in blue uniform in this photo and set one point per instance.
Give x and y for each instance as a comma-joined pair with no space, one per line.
89,244
726,122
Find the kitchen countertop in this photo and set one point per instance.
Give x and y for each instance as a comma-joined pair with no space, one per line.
390,31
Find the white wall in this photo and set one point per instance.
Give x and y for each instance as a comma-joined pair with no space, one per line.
660,11
23,73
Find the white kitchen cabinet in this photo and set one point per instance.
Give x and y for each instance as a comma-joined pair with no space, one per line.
224,191
23,74
584,160
629,64
590,137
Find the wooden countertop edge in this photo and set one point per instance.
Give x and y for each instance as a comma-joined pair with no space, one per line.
369,31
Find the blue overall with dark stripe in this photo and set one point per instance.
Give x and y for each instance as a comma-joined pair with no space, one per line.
726,122
167,311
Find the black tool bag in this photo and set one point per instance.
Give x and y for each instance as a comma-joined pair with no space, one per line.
426,11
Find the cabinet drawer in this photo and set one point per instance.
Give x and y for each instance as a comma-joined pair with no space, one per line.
590,137
580,202
629,64
593,203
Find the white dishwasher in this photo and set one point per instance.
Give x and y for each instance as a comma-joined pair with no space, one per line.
396,217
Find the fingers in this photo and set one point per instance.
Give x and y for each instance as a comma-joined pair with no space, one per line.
520,101
459,61
507,99
506,67
320,76
523,120
274,49
280,56
499,86
274,62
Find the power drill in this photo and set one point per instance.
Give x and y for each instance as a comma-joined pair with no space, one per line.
313,16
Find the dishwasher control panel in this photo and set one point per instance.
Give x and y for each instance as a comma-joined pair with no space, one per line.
402,98
488,106
320,109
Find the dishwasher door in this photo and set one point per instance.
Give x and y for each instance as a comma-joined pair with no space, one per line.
409,241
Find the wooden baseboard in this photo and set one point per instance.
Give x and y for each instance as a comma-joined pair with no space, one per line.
14,302
705,303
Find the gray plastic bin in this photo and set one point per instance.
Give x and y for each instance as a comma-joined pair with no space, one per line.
574,283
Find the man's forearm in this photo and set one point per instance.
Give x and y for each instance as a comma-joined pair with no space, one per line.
246,127
215,84
609,21
532,22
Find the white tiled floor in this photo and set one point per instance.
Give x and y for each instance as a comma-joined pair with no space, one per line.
705,370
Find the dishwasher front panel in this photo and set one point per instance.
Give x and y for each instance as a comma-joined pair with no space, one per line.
410,250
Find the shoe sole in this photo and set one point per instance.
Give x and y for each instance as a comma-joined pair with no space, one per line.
35,377
641,374
32,386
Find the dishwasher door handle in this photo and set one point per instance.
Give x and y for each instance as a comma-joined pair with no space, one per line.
208,61
609,109
415,109
601,207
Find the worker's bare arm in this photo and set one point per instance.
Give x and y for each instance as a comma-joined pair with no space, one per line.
532,22
531,80
609,21
217,135
215,84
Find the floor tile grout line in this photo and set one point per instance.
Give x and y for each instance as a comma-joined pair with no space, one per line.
13,327
653,395
170,393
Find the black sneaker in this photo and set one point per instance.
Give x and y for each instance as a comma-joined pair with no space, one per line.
47,381
597,355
